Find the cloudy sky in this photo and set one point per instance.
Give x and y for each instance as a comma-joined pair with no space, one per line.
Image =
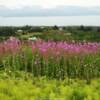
48,3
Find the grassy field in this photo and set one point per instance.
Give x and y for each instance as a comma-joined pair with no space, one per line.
49,70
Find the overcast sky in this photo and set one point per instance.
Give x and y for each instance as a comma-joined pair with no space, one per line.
48,3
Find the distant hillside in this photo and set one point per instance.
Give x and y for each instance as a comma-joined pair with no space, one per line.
58,11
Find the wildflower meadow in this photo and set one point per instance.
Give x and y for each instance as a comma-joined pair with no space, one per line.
49,70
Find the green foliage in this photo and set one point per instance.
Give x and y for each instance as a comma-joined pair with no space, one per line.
78,33
44,89
81,66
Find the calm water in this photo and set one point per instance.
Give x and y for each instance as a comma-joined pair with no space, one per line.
48,21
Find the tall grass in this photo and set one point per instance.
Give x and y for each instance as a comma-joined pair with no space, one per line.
51,59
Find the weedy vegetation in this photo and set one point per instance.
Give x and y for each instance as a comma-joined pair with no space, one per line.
49,70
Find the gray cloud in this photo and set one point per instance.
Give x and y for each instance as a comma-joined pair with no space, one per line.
58,11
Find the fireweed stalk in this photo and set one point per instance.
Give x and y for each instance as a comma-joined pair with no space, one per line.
52,59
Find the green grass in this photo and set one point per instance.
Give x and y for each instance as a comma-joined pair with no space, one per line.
57,35
28,35
81,66
44,89
23,86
